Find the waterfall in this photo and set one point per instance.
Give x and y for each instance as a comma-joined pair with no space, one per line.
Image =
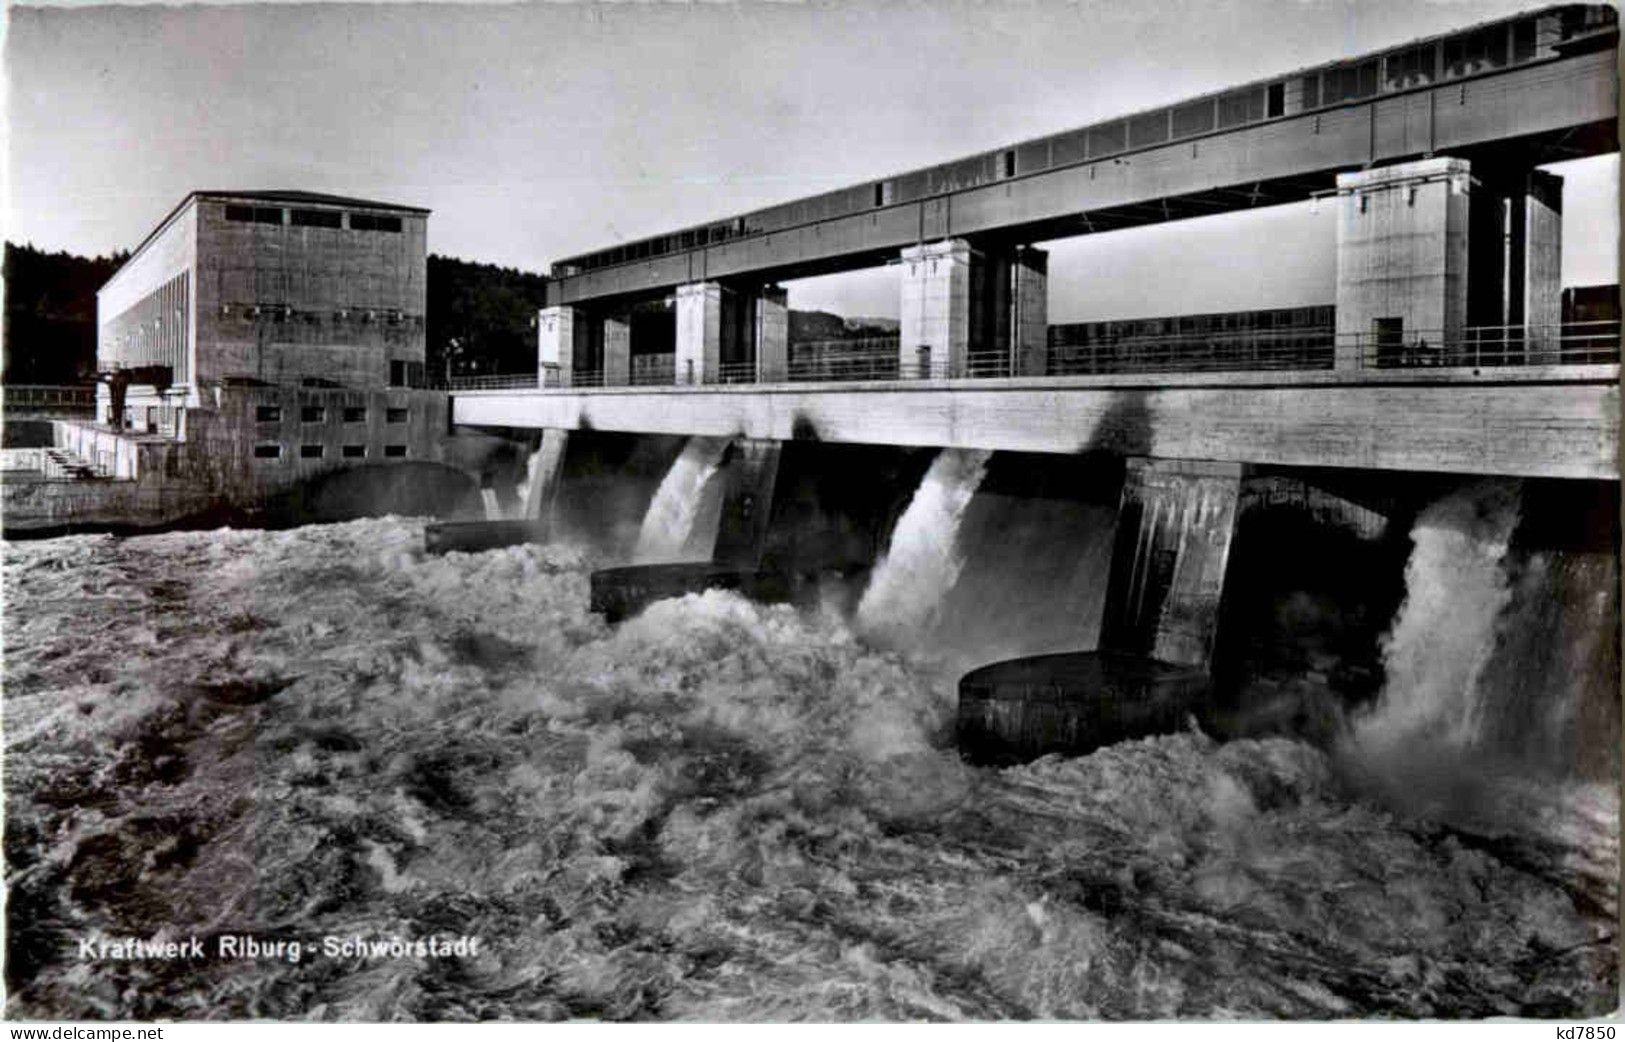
681,522
1444,632
493,508
906,592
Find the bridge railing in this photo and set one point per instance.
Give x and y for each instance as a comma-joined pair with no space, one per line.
882,359
45,396
1574,343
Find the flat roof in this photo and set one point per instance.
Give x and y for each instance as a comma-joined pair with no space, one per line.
266,195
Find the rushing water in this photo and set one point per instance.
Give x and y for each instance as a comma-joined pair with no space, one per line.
681,522
722,810
493,506
922,562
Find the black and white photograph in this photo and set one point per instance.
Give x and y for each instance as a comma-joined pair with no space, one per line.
832,511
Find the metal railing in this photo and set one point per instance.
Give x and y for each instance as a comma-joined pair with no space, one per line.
499,381
25,396
1300,349
1483,347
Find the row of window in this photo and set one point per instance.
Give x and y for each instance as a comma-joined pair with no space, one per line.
357,222
1469,53
318,414
272,450
312,316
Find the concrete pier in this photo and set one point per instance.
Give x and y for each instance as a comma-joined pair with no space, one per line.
749,477
1173,541
545,477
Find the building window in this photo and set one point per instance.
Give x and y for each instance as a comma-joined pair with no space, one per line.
310,452
395,415
268,452
366,222
313,414
355,451
1276,104
1010,163
318,218
355,414
395,451
255,214
268,413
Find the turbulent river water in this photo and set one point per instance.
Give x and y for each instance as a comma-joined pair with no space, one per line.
716,810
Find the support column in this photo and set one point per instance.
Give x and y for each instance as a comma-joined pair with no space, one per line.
561,335
1542,276
935,313
1029,318
546,474
617,350
1402,259
773,335
747,501
1168,561
699,331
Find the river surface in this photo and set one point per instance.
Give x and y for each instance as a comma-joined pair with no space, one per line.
716,810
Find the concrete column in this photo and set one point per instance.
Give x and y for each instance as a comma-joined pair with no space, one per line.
558,332
1173,541
1402,258
699,332
773,335
1029,319
748,478
546,474
617,330
936,309
1542,289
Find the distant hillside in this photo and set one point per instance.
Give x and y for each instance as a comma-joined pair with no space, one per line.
822,325
50,328
483,316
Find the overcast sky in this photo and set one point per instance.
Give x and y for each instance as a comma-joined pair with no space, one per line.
537,131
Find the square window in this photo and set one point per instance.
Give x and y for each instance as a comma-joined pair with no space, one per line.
310,452
355,414
268,413
267,452
313,414
354,451
395,415
395,451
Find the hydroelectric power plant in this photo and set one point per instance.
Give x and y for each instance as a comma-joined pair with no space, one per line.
1232,666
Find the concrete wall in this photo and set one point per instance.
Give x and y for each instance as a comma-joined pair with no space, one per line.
1561,421
218,458
357,298
1173,544
935,312
1402,253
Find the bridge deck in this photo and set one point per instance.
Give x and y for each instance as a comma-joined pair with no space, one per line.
1551,421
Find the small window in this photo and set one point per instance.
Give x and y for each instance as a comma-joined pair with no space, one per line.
239,213
255,214
395,451
1150,129
1009,163
268,413
1277,100
267,452
354,451
310,452
313,414
317,218
355,414
395,415
366,222
880,195
1311,92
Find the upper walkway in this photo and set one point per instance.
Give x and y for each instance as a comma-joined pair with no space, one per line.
1516,93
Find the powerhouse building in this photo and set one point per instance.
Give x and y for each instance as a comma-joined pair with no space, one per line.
255,339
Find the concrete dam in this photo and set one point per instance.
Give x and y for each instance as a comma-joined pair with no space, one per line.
1129,500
